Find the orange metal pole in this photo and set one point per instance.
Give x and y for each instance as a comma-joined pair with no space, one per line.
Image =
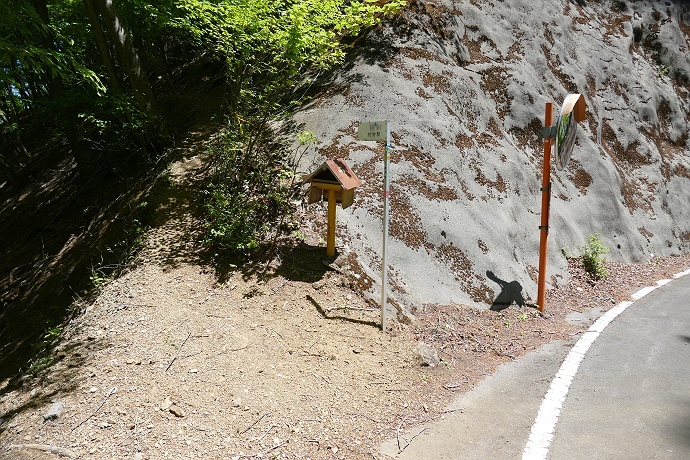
545,201
330,245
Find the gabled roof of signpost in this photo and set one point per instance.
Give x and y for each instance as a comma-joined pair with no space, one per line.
334,172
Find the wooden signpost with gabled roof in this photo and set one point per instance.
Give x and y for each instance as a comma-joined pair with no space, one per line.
335,182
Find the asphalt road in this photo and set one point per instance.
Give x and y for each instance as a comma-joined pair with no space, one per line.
630,397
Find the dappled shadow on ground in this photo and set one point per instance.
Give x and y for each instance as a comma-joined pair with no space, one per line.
290,259
56,372
73,226
175,219
71,223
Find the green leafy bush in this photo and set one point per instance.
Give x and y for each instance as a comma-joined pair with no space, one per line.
249,199
593,259
269,49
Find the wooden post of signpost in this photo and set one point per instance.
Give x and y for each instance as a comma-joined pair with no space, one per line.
335,182
330,245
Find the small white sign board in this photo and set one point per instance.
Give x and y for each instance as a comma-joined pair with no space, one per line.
372,130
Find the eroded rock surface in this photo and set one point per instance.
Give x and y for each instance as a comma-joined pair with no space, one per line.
464,85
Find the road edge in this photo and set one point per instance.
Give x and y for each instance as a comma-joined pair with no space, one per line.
544,427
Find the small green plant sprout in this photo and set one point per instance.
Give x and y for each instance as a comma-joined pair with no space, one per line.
565,253
299,235
306,137
98,278
50,336
593,260
664,70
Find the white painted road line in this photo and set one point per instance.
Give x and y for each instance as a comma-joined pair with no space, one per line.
544,427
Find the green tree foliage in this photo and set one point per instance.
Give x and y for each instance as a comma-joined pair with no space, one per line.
102,79
268,49
32,51
54,96
248,194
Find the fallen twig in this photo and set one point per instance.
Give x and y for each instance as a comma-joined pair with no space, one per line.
112,390
131,433
450,411
397,434
411,439
452,386
189,334
192,354
263,452
252,425
143,305
350,308
325,379
233,349
277,333
61,451
263,435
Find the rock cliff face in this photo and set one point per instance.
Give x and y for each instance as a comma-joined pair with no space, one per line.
464,85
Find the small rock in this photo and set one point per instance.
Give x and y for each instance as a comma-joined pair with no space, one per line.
55,411
138,456
165,405
237,402
428,354
93,390
176,411
194,371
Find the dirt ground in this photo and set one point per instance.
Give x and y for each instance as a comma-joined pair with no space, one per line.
175,359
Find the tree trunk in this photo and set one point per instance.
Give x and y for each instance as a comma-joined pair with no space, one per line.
103,48
129,59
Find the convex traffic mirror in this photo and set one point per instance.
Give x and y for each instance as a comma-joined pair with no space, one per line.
572,111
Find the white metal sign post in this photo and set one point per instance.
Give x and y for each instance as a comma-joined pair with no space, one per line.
378,131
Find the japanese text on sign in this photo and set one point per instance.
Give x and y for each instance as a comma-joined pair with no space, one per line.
373,130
